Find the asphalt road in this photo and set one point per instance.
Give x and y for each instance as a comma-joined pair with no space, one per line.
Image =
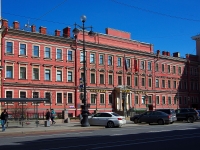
182,136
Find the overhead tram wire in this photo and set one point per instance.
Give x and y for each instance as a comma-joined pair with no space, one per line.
154,12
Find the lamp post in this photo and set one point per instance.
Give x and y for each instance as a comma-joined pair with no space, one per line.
177,101
96,111
146,96
91,33
188,101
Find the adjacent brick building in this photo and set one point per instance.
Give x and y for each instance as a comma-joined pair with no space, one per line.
40,65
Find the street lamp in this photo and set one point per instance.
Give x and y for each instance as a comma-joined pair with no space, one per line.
189,101
91,33
146,96
96,103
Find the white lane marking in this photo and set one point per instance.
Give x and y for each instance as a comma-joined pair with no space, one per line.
146,142
144,139
116,134
50,135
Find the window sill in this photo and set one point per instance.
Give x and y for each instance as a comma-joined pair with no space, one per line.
59,60
47,81
47,104
69,61
102,104
9,54
35,57
35,80
22,79
58,81
47,58
70,81
10,78
24,56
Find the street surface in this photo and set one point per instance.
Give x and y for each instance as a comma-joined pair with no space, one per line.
180,135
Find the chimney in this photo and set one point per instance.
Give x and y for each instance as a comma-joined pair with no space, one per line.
168,53
57,32
5,23
43,30
16,25
66,32
158,52
176,54
33,29
163,53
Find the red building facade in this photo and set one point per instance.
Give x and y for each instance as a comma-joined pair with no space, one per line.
40,65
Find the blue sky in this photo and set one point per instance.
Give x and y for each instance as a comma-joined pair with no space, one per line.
167,24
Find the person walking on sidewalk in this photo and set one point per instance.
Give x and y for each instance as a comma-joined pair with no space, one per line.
48,115
53,116
4,118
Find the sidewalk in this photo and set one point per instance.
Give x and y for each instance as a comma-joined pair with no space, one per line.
58,127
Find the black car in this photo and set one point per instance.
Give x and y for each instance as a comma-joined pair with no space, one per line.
170,112
188,114
153,117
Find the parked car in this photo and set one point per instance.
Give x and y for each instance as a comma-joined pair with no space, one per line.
153,117
199,113
188,114
107,119
169,112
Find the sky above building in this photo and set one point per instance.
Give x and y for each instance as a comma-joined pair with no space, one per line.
167,24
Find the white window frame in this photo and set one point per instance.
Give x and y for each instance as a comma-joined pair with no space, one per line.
33,51
72,97
25,50
25,66
12,47
61,54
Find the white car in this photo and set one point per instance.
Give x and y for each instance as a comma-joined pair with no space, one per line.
107,119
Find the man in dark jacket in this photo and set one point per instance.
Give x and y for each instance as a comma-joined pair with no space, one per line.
47,115
4,118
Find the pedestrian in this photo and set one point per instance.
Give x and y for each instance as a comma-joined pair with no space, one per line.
47,115
53,116
4,118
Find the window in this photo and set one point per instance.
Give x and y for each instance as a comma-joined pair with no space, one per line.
102,100
92,78
163,68
110,98
35,94
93,98
143,81
174,69
35,73
110,60
157,100
157,83
163,100
22,94
9,71
69,98
179,70
174,84
119,80
150,99
128,80
191,85
110,82
81,57
136,99
69,56
47,74
142,65
9,47
22,49
185,99
136,81
59,54
59,98
59,75
180,100
169,84
175,99
143,99
9,94
128,63
48,96
22,72
169,100
69,76
101,60
35,51
101,78
163,83
149,82
47,52
156,69
119,62
92,58
149,65
168,68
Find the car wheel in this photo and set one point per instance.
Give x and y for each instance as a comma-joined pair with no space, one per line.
172,122
190,119
149,123
136,120
110,124
160,122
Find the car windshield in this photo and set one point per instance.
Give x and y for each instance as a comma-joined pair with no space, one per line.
115,114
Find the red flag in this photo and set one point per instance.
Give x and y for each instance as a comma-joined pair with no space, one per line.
135,65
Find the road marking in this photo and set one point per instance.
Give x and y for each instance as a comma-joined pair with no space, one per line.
146,142
180,136
116,134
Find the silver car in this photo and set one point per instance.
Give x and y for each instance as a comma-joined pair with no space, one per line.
107,119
